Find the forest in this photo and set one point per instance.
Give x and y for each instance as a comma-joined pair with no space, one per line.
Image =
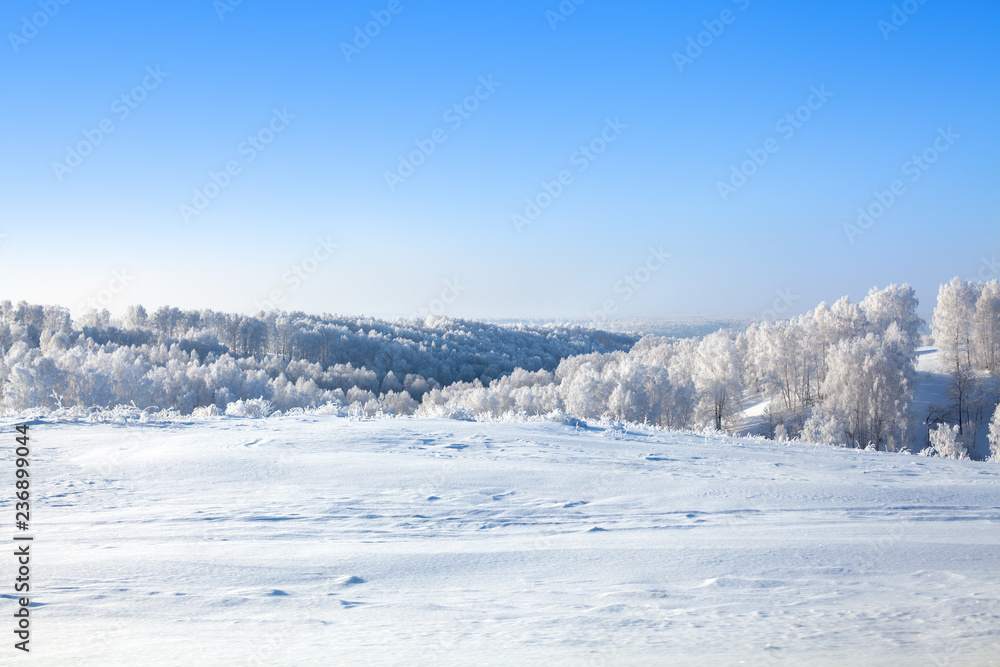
843,374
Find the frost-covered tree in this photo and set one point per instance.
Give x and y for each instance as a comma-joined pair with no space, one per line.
967,394
846,320
784,361
718,378
986,328
582,386
896,304
135,317
952,323
966,328
994,436
96,319
391,384
869,390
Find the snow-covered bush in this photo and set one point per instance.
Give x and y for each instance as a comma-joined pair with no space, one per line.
946,442
206,411
824,429
254,408
399,403
331,408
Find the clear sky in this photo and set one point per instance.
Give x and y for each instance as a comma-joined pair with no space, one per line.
310,114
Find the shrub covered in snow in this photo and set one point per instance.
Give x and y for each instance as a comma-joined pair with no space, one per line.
206,411
255,408
946,442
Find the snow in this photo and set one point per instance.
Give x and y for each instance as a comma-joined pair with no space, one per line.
314,540
931,387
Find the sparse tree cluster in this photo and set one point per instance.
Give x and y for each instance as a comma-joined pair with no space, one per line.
842,373
966,331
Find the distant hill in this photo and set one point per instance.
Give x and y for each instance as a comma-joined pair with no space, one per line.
667,327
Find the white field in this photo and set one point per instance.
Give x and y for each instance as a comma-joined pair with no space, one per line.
323,541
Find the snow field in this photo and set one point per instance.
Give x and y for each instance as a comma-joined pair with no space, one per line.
325,541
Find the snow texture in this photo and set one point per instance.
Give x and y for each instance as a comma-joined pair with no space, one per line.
321,540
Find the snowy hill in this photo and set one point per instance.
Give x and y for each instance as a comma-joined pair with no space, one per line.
324,541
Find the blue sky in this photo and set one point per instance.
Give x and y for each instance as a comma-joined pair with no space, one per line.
110,228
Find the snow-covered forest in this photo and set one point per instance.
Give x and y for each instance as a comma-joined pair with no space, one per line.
184,360
842,374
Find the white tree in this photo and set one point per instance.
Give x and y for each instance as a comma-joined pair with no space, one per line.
98,319
965,325
869,388
896,304
847,320
994,436
391,383
718,379
583,389
135,317
952,322
986,328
